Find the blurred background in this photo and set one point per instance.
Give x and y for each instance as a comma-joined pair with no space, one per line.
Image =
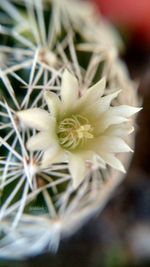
120,235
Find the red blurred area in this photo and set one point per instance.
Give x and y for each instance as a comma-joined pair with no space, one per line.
133,14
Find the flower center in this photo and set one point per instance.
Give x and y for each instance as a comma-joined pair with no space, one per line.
74,131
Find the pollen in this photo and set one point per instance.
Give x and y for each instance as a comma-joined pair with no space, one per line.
74,132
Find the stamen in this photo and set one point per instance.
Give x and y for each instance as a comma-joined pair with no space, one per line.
74,131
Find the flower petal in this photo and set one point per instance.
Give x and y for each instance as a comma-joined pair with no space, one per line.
69,89
41,141
53,155
124,110
83,153
35,118
53,102
113,162
105,101
119,130
77,169
97,106
91,96
105,120
111,144
97,90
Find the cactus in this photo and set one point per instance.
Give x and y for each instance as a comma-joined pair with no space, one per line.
58,55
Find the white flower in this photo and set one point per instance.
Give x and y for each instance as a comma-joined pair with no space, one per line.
79,127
